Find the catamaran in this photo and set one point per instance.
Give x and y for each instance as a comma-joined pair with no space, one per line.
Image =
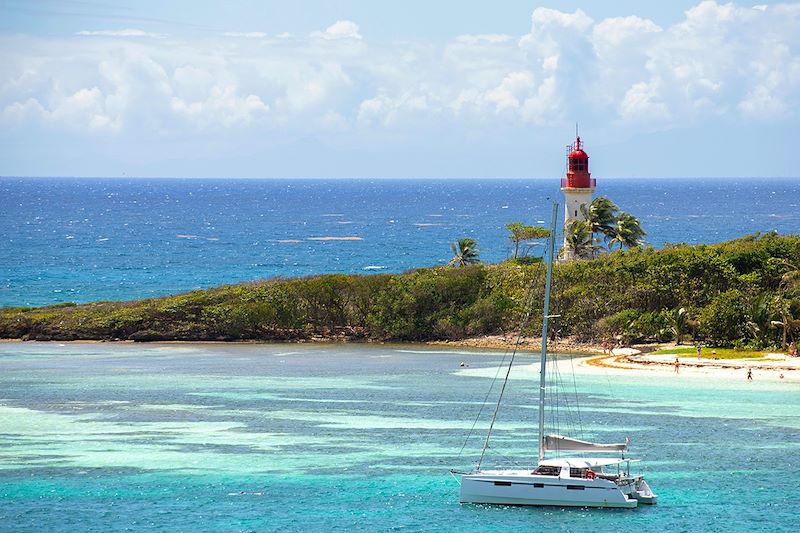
560,481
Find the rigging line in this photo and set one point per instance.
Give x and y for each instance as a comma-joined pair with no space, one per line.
577,413
563,398
485,401
523,322
577,402
562,402
505,458
559,392
567,404
556,402
502,391
527,305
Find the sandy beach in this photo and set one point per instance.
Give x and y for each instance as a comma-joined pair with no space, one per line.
772,367
636,360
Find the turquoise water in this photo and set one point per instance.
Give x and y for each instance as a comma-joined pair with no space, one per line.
106,437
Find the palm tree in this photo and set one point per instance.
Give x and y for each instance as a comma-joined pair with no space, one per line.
465,252
791,277
578,239
786,321
601,215
790,281
627,232
760,319
678,320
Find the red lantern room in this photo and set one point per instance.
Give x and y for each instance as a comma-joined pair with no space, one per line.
578,176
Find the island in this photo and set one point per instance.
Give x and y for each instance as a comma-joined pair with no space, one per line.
742,294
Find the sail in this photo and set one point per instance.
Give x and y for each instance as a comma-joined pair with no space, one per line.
566,444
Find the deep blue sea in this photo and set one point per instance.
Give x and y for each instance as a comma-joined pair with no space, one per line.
68,239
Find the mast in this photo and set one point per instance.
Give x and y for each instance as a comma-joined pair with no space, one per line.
550,253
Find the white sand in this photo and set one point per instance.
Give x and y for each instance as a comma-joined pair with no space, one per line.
769,368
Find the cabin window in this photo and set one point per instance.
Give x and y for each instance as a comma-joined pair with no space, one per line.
576,487
502,483
577,472
547,471
538,485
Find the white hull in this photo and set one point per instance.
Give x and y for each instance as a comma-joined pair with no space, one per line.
520,487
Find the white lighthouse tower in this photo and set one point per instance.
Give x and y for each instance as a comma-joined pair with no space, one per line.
578,186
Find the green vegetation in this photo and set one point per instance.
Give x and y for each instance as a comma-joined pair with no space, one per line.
603,222
719,353
520,233
465,252
744,293
578,239
627,232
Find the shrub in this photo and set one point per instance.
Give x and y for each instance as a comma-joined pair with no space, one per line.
725,319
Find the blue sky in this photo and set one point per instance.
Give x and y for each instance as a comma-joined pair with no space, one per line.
397,89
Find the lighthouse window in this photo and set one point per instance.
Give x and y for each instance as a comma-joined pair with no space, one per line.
576,212
577,164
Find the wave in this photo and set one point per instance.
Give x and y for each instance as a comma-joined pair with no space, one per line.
349,238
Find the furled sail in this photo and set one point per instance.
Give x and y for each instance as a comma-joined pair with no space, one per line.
566,444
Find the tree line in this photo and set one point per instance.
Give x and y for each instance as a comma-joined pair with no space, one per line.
744,292
603,223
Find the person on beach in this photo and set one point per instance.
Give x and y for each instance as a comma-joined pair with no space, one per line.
699,351
749,374
677,365
793,349
604,346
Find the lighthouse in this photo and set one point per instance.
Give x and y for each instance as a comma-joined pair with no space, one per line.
578,185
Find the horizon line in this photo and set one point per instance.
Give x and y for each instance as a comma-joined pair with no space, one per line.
391,178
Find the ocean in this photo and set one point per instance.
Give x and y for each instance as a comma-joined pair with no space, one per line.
79,240
294,437
282,437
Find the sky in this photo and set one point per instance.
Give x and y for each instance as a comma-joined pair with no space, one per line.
373,89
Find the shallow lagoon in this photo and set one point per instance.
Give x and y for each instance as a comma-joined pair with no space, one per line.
101,437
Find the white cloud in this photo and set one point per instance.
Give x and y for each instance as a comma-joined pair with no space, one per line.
310,86
341,29
84,109
246,34
761,103
484,38
641,104
511,91
129,32
24,110
610,34
720,60
223,106
395,111
544,18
